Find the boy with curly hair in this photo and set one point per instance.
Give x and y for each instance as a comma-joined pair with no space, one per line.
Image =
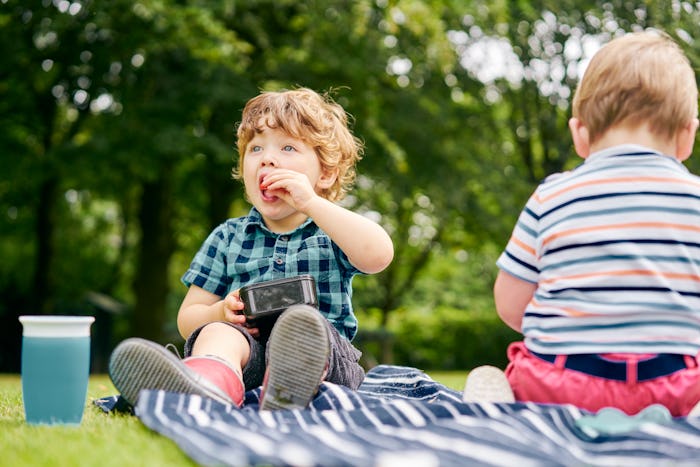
297,158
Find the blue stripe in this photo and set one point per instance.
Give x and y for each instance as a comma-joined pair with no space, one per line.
583,199
629,209
596,327
636,154
664,306
594,259
521,262
626,289
531,213
639,241
526,228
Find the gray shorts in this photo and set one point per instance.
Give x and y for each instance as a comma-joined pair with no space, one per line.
343,369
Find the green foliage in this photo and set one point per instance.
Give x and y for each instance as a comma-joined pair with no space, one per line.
451,322
448,339
439,338
119,132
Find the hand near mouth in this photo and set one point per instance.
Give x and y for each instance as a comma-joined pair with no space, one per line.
293,188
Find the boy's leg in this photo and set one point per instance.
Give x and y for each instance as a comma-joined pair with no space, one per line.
298,354
137,364
254,369
344,368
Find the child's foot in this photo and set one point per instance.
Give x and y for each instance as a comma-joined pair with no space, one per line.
137,364
298,355
487,384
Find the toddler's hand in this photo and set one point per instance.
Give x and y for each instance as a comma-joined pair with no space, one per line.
233,312
233,308
292,187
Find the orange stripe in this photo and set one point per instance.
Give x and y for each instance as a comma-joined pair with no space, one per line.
522,245
617,180
569,311
630,225
631,272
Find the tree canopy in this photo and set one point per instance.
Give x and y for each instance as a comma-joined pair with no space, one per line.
119,134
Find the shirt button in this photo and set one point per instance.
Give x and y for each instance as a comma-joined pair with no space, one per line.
284,238
279,261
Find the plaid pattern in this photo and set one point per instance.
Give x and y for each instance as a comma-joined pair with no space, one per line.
242,251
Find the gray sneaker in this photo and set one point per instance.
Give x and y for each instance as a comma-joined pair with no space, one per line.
298,355
487,384
137,364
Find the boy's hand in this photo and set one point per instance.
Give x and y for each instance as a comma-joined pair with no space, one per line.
293,188
233,312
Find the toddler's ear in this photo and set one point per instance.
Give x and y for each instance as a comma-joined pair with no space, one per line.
581,137
327,178
685,139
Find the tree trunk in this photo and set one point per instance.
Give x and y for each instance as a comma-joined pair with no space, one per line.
221,191
43,292
155,249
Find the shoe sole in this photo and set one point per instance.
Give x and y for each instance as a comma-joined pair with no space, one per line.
487,384
137,364
298,356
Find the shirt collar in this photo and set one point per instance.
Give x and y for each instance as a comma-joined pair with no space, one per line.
620,149
255,219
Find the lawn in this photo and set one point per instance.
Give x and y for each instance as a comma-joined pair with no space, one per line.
102,439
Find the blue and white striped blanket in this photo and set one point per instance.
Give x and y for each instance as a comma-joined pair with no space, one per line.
400,417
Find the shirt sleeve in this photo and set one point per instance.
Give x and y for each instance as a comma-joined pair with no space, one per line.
520,257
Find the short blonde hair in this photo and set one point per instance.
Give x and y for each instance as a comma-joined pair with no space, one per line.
314,118
638,78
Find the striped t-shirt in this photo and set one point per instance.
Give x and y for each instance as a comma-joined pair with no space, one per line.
614,248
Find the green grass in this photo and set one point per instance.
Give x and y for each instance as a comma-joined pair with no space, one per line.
451,379
102,439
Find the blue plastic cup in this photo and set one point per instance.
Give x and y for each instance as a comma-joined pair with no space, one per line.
55,368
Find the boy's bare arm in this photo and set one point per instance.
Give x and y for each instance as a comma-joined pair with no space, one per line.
367,245
512,296
200,307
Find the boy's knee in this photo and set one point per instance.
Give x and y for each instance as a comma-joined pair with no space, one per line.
217,328
212,333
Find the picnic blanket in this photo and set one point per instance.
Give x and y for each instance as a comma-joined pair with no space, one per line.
401,417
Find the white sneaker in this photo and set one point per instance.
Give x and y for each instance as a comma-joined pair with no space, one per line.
487,384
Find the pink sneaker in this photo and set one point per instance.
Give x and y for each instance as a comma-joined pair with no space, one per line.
219,372
137,364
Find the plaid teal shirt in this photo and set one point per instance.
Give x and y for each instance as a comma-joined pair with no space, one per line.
243,251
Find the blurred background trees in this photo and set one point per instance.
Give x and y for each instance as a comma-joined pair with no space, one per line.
118,139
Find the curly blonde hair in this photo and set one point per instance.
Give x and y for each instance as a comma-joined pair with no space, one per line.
314,118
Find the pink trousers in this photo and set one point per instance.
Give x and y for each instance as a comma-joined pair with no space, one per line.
536,380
